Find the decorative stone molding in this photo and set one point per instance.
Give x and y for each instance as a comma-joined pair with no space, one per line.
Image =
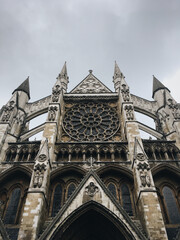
125,93
7,112
143,168
91,85
129,112
55,93
91,189
39,170
42,158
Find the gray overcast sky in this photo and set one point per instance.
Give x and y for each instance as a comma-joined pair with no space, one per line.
37,36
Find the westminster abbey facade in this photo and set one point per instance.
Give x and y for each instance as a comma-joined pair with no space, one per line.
91,176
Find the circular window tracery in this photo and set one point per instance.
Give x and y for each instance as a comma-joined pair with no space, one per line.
91,122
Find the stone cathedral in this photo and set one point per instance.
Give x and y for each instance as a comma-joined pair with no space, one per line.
91,176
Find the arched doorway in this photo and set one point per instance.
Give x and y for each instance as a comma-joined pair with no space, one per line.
92,223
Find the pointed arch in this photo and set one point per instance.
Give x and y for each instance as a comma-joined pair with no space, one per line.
66,169
114,167
15,170
94,211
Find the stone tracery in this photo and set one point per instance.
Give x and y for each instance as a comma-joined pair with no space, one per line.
91,122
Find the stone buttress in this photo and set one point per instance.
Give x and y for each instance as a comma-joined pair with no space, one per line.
146,196
36,200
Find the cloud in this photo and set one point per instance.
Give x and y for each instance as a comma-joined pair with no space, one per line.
173,83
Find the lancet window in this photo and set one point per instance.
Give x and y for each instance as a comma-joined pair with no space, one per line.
170,205
57,200
11,213
60,193
123,195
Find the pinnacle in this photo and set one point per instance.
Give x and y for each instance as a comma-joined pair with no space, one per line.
24,87
157,85
117,71
63,72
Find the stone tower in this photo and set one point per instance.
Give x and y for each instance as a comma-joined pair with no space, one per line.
91,176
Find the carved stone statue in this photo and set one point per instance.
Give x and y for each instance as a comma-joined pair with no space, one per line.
91,189
145,179
52,113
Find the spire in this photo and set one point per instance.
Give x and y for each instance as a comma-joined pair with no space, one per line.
24,87
63,73
157,85
117,71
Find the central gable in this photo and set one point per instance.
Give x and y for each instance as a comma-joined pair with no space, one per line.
91,85
91,191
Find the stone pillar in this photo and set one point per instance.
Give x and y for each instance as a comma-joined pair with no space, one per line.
36,200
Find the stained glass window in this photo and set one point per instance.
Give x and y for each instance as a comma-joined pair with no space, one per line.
57,198
91,122
112,189
126,199
71,189
171,205
12,207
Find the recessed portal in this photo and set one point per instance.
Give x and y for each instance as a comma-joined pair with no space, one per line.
92,225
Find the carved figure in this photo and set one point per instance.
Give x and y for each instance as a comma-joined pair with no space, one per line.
52,113
125,93
55,93
39,175
145,179
91,189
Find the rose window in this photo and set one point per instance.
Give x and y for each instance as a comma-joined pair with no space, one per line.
91,122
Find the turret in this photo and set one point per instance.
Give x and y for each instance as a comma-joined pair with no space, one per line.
23,93
168,112
159,92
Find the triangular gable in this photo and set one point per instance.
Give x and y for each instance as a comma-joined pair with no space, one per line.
92,190
91,85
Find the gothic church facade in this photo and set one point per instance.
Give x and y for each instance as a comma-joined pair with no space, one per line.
91,176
